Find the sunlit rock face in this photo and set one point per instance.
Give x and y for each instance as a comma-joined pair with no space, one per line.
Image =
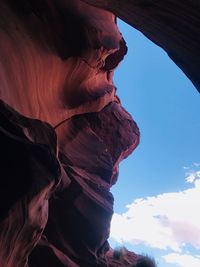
63,133
61,58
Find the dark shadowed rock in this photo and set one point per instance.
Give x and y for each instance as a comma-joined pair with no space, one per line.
30,173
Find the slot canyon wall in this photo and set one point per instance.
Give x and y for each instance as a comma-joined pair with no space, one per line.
63,131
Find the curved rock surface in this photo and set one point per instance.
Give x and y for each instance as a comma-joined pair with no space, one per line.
30,172
63,131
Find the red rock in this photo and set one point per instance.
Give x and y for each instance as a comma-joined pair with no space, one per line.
79,216
57,61
63,131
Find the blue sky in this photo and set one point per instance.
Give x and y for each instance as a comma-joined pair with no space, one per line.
164,171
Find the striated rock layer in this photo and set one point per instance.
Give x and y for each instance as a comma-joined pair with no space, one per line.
63,133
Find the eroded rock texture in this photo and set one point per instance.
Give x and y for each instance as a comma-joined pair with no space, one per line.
63,133
172,24
63,130
30,173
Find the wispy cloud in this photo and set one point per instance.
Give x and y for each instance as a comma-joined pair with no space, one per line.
165,221
183,260
192,173
192,176
196,164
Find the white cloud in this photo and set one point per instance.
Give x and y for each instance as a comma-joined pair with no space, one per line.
192,173
192,176
166,221
183,260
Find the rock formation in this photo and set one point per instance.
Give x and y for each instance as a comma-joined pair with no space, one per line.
63,130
